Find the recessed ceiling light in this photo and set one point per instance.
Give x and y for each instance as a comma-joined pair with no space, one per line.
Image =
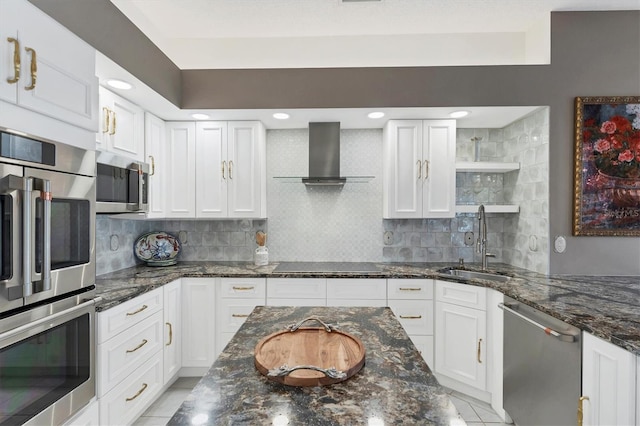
459,114
377,114
281,115
119,84
199,116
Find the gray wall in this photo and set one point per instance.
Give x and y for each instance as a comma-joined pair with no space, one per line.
592,53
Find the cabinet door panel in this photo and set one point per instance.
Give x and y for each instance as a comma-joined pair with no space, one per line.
461,344
244,182
198,322
172,343
403,169
439,150
128,128
212,181
181,181
155,141
8,29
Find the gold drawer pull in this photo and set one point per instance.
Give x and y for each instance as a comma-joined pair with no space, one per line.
142,389
16,61
170,334
144,342
243,288
239,315
479,351
138,311
410,288
581,400
410,316
34,68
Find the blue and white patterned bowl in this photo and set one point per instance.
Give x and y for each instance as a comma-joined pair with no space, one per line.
157,249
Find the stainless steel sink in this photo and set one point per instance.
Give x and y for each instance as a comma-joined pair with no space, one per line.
463,273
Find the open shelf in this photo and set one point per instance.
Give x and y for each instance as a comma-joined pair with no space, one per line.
488,208
486,167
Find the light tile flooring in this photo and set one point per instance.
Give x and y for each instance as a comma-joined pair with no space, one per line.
474,412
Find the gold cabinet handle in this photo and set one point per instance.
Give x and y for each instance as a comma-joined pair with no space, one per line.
479,351
170,334
239,315
410,288
105,122
230,169
243,288
113,123
224,164
410,316
142,389
144,342
153,165
426,169
34,68
580,409
16,60
137,311
419,170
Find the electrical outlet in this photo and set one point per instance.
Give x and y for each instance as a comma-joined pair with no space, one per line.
468,238
388,238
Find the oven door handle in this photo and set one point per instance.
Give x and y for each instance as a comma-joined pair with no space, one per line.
25,327
44,186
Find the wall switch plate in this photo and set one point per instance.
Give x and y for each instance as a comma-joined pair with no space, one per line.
182,236
114,243
387,238
468,238
560,244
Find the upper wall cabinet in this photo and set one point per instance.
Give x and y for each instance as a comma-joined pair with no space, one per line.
419,174
45,68
121,126
222,166
155,148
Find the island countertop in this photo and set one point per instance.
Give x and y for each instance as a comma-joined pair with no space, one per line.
395,386
607,306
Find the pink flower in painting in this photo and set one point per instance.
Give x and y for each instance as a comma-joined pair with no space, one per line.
602,145
608,127
627,156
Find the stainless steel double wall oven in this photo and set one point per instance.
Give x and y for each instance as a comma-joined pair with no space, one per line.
47,279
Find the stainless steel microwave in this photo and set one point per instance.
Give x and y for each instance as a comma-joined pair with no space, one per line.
122,184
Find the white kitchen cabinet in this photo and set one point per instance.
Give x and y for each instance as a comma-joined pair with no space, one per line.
419,175
609,383
172,351
121,126
236,298
411,300
88,416
45,68
180,180
218,170
198,325
356,292
461,336
155,146
296,291
231,169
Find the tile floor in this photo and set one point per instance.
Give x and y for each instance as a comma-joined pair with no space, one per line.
474,412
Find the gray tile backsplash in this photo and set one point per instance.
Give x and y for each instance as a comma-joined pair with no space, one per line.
331,224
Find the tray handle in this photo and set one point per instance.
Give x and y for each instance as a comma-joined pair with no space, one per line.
285,370
328,327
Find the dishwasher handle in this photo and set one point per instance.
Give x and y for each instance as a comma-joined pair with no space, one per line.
563,337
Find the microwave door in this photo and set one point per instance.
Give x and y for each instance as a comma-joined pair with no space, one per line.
11,284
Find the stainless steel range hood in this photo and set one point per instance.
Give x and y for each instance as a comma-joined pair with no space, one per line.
324,155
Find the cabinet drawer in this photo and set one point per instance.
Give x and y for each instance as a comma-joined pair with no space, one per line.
296,302
130,398
123,316
379,303
232,313
350,288
243,287
409,289
122,355
297,288
461,294
416,316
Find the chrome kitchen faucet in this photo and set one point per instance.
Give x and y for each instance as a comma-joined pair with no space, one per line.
481,244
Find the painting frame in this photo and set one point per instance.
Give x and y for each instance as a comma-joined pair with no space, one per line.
607,166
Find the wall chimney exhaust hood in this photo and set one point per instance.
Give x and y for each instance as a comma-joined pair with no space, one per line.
324,157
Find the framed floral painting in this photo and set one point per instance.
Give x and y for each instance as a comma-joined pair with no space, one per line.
607,166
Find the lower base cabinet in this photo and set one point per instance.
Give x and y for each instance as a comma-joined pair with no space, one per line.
608,383
88,416
198,325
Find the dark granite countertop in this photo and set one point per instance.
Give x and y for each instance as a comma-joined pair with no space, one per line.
608,307
395,386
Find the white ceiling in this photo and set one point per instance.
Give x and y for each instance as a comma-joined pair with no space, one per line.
332,33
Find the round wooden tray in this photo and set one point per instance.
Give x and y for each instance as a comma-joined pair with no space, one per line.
309,356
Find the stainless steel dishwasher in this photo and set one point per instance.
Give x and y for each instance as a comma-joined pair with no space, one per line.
542,367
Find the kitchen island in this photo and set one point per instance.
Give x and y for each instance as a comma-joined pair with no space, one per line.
395,386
